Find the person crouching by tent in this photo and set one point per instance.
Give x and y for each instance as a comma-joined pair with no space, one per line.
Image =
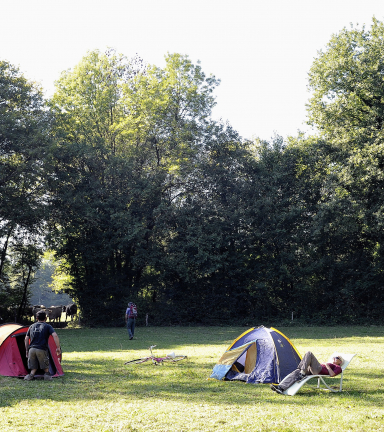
309,365
36,346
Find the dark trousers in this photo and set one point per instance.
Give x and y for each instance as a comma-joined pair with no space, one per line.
131,327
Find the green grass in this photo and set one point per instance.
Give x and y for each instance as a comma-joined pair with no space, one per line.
99,393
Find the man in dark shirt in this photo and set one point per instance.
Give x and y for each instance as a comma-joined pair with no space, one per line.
309,365
36,346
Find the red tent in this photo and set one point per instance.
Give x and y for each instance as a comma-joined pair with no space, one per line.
13,360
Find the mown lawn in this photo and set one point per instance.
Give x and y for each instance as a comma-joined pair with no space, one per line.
100,393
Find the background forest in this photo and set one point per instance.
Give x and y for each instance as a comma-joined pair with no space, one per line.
141,196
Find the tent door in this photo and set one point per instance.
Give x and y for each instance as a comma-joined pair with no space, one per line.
244,365
247,361
250,360
21,347
52,366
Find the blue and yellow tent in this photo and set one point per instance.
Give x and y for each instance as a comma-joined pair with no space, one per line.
259,355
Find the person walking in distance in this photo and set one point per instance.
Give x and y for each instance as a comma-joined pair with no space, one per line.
130,318
36,346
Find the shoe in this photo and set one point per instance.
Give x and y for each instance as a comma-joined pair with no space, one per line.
301,376
277,389
47,377
29,377
131,338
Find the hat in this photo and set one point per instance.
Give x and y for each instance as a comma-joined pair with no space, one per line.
338,356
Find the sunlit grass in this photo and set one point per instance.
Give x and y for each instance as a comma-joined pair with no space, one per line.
99,393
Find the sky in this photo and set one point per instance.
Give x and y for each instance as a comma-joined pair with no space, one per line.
261,50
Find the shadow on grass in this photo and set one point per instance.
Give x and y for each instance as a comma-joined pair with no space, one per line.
95,375
98,380
116,339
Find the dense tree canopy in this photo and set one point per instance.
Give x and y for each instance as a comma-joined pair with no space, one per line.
24,127
151,200
347,80
119,169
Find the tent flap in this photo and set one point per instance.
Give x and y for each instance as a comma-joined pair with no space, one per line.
219,371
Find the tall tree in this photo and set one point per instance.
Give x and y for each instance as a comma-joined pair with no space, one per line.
347,108
24,128
124,146
200,274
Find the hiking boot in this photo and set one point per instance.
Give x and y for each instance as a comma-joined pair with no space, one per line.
29,377
47,377
276,388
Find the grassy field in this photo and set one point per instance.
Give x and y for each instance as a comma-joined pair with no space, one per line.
99,393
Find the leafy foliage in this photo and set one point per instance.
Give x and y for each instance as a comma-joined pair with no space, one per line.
24,126
116,169
48,285
150,200
347,84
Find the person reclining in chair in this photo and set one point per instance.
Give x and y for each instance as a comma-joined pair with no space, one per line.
309,365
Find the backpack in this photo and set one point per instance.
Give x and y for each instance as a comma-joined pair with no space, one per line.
132,313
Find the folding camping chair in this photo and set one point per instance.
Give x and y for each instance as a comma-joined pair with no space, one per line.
291,391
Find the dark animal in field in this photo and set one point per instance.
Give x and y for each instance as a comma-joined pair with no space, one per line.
70,310
34,309
54,313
